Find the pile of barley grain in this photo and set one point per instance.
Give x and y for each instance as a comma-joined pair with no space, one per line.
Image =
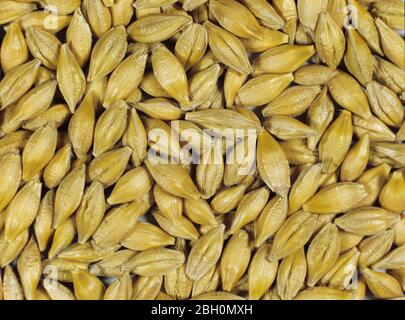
95,94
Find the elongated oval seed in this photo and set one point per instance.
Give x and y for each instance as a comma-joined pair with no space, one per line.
17,82
205,253
323,253
91,211
261,274
282,59
58,166
374,248
291,275
293,235
87,286
70,76
156,28
10,164
43,222
174,179
367,220
272,164
14,50
22,210
249,208
107,53
347,92
335,142
336,198
235,259
69,194
227,48
155,262
382,285
126,76
356,160
253,92
109,128
30,269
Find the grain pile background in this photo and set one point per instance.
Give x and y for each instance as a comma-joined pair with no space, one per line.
103,102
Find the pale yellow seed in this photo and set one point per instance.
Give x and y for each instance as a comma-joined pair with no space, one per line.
147,236
270,219
385,104
322,253
57,291
109,128
17,82
44,46
174,179
155,262
43,222
11,249
367,220
120,289
126,76
313,75
29,268
14,50
81,126
63,237
392,44
117,224
293,101
249,208
272,164
335,142
58,166
235,17
199,211
147,288
235,259
356,160
191,45
111,265
358,58
227,48
261,273
10,164
392,194
12,289
382,285
253,93
374,248
22,210
91,211
329,39
57,113
282,59
157,27
227,199
180,227
292,235
107,53
109,166
87,286
174,80
205,253
291,275
97,15
121,12
347,92
366,26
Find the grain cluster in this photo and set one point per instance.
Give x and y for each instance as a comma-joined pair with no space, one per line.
202,149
